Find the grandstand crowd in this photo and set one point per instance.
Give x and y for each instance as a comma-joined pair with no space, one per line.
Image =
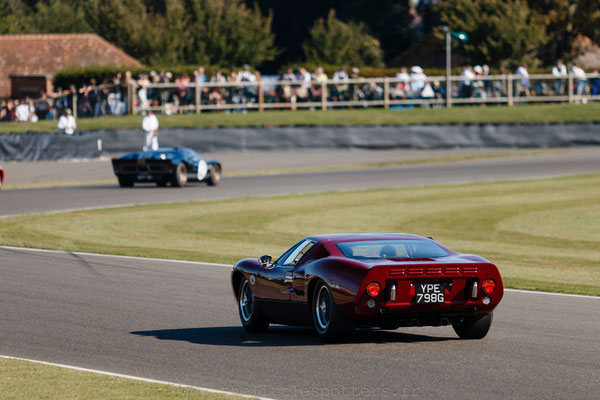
174,94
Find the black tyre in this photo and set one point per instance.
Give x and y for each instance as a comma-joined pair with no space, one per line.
214,176
125,181
180,175
475,327
329,323
252,319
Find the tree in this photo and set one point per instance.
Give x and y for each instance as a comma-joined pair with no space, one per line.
227,33
59,16
503,33
53,16
334,42
127,24
564,21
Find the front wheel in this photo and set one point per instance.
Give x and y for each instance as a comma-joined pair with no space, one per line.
180,176
329,323
475,327
214,176
252,319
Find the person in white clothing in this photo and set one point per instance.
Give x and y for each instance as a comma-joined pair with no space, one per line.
417,81
559,70
466,84
66,123
150,128
522,84
23,111
579,79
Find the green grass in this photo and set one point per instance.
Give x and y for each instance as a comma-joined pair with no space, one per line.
543,234
28,380
455,115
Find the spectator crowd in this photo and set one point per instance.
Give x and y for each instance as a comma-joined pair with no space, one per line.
179,94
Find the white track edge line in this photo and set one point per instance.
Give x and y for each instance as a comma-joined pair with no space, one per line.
136,378
114,256
230,266
583,296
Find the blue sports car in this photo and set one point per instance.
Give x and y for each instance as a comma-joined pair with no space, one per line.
169,165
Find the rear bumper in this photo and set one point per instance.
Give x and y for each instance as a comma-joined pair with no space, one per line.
397,319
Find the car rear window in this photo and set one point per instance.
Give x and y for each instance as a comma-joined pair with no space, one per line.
391,249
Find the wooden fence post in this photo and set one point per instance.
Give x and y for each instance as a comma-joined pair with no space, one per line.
509,89
74,103
197,98
570,87
132,95
386,93
261,97
324,95
448,91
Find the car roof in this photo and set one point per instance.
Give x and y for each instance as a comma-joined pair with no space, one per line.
357,237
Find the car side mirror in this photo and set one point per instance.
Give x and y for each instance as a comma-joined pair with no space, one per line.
265,260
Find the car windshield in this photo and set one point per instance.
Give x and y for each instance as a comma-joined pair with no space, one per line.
391,249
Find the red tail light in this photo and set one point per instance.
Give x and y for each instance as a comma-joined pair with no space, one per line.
488,286
373,289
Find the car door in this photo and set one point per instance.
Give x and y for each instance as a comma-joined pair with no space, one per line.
276,279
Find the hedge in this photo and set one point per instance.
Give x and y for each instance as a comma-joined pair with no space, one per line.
78,75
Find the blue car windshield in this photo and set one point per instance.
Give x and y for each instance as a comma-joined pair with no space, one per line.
391,249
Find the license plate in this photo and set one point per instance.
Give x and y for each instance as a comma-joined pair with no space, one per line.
429,293
144,176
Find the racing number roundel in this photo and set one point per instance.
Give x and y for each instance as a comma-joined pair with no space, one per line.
202,169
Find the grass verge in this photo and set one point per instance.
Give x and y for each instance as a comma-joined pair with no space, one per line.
28,380
541,233
543,113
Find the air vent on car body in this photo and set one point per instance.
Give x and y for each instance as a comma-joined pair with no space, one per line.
397,272
434,271
415,271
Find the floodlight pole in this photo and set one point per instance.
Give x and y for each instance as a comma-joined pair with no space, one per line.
448,66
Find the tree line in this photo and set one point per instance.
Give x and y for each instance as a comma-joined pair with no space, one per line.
228,33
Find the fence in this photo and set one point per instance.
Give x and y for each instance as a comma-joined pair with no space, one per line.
373,92
172,98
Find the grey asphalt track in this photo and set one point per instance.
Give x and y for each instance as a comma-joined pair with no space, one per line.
101,168
178,322
584,160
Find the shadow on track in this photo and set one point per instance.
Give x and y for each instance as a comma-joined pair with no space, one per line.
279,336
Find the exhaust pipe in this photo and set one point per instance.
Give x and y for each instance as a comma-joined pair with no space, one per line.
444,321
414,322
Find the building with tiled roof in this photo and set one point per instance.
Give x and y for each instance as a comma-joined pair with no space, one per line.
32,60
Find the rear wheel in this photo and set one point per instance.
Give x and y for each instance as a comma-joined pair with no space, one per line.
214,176
329,323
475,327
125,181
252,319
180,175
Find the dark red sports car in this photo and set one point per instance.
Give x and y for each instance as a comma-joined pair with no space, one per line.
338,282
1,176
